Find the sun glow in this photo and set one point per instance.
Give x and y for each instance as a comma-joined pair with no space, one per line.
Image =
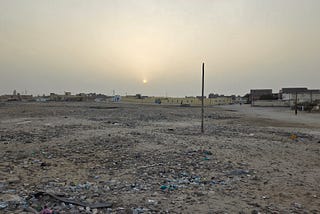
145,81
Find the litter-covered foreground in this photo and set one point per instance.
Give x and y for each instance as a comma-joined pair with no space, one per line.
121,158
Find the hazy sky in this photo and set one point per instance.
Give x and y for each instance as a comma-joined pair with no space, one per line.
104,45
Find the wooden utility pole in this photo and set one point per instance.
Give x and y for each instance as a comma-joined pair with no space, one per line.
202,99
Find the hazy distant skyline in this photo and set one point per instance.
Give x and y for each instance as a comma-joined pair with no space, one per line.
103,45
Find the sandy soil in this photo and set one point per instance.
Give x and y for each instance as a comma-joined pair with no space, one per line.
282,114
153,159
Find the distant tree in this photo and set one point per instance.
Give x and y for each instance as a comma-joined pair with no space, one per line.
246,98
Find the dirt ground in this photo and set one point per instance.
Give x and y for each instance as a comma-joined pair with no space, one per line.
153,159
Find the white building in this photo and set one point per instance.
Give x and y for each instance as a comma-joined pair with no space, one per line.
302,95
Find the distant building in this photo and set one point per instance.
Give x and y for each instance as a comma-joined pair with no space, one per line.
301,95
189,100
256,94
293,90
288,93
42,99
239,100
16,97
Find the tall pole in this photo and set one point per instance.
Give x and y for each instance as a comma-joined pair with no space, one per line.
296,106
251,99
202,99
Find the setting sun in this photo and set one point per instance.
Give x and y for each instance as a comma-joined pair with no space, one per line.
144,81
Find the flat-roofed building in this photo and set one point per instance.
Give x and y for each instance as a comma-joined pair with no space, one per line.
299,94
256,94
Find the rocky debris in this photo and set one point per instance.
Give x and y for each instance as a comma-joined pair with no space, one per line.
221,116
151,161
11,201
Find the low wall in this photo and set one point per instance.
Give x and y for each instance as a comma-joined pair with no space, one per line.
271,103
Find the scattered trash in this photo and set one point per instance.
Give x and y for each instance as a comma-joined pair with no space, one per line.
206,152
10,200
86,185
150,201
46,211
30,210
206,158
293,137
297,205
67,201
214,182
239,172
169,187
163,187
24,122
255,212
3,205
173,187
88,210
139,210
